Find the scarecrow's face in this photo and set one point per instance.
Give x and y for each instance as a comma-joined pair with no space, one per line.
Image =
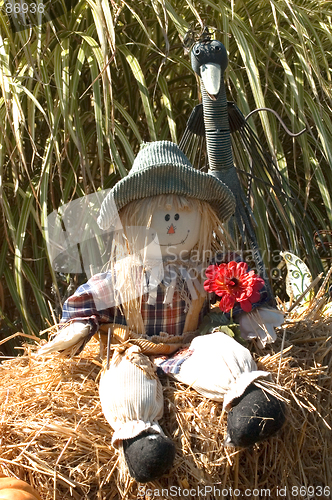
176,230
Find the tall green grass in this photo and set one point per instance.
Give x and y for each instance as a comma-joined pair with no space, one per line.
80,93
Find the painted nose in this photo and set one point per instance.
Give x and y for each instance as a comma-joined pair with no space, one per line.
171,230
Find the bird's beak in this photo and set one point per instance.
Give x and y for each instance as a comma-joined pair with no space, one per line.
211,76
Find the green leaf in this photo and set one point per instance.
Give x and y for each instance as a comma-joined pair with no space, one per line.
144,92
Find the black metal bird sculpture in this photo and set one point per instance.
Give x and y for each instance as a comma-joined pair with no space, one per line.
209,60
221,125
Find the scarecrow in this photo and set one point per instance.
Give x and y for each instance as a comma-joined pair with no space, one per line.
170,262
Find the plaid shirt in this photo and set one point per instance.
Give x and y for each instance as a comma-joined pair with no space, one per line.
89,303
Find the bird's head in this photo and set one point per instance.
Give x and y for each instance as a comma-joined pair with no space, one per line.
209,60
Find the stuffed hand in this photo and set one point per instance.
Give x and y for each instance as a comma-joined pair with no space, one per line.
71,336
260,323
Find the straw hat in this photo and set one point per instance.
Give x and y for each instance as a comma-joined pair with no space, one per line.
162,168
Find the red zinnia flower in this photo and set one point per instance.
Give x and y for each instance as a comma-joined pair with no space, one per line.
233,283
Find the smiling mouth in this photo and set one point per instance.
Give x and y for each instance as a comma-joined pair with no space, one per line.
173,244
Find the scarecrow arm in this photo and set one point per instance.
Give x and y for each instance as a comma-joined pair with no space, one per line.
91,305
74,337
260,324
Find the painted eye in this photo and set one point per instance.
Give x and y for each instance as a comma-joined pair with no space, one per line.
176,217
167,217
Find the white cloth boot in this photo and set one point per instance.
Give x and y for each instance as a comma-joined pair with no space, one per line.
220,368
131,395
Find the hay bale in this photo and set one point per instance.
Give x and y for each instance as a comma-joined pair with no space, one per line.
54,435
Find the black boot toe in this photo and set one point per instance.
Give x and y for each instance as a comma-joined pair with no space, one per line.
254,418
148,456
